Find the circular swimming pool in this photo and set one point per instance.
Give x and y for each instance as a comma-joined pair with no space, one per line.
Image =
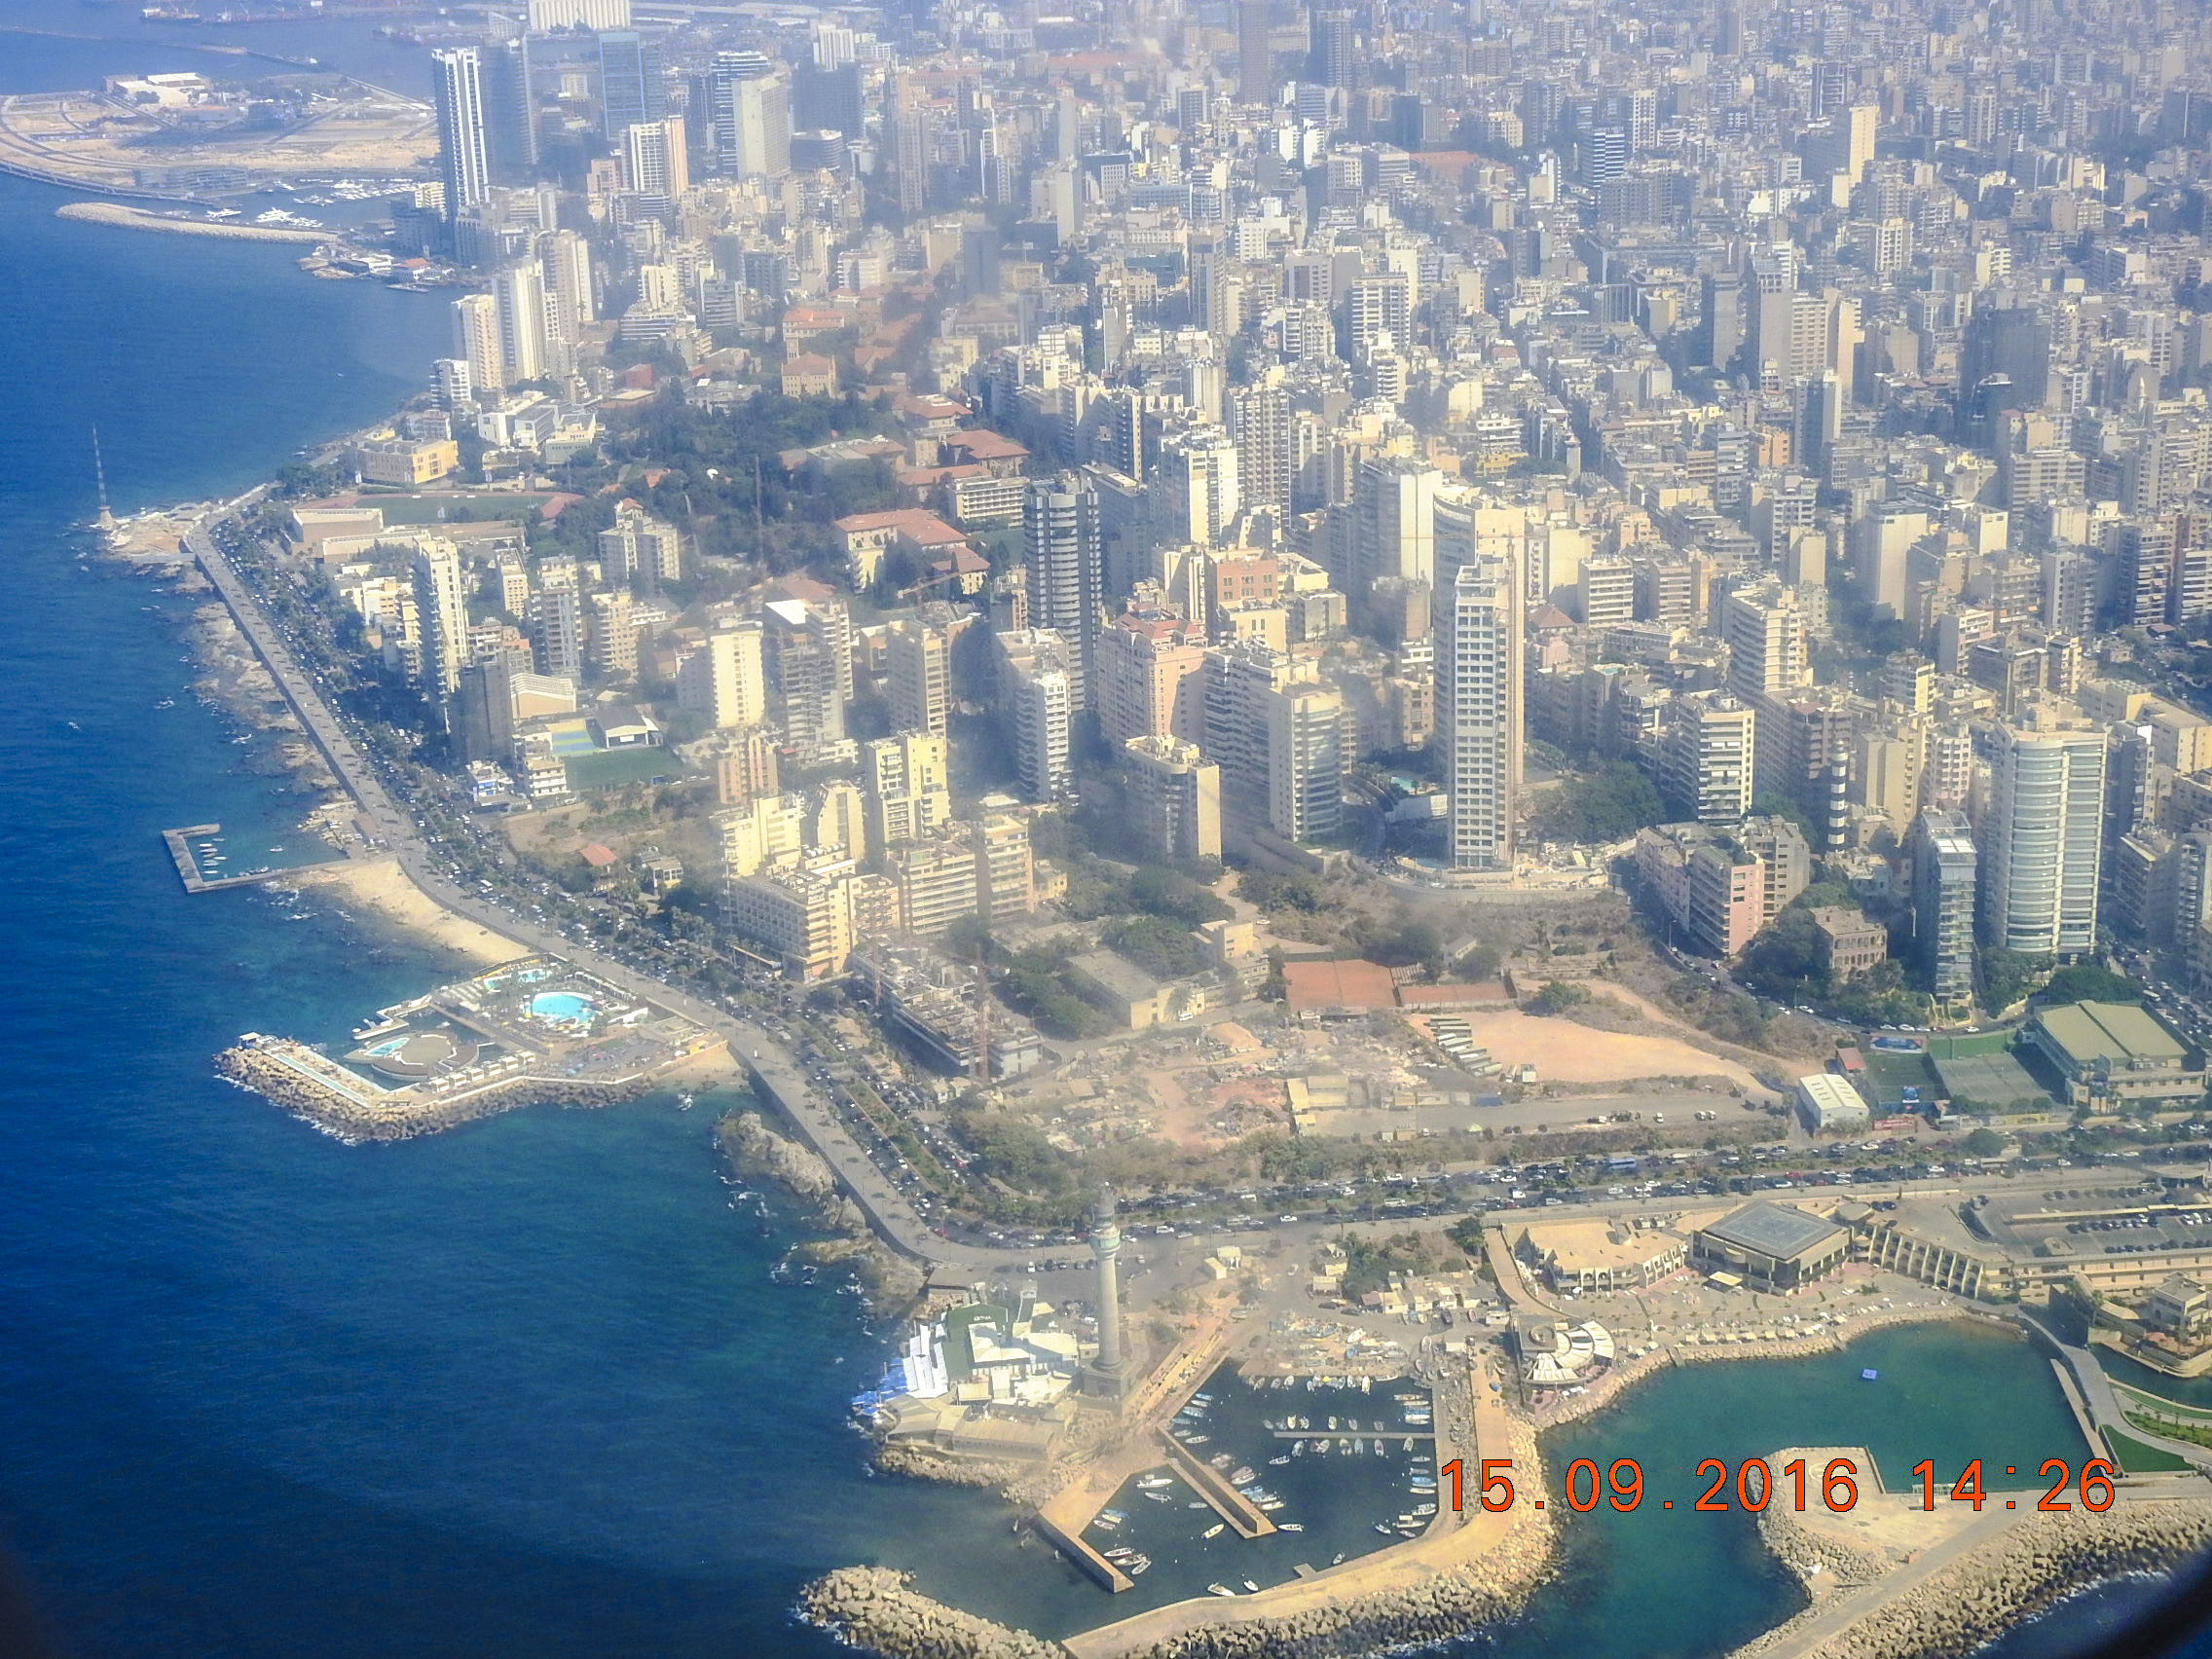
564,1007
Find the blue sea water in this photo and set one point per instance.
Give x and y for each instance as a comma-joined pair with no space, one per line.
522,1387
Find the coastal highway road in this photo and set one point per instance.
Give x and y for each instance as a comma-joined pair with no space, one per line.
770,1062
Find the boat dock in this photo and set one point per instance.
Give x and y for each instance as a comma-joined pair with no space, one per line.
1242,1515
188,863
1353,1433
1092,1563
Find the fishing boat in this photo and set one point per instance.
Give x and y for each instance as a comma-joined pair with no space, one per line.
1278,1463
1215,1531
1383,1529
1293,1526
1155,1483
1379,1449
1158,1498
1196,1439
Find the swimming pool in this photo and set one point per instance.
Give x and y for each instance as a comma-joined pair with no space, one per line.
563,1007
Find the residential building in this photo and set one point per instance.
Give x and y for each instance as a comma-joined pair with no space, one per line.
1173,795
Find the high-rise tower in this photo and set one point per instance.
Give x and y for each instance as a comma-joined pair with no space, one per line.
464,162
1065,558
1478,711
632,90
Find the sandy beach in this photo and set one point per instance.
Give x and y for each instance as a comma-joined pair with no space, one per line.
379,885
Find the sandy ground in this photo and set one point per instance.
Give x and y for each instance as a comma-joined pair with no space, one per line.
1564,1051
380,886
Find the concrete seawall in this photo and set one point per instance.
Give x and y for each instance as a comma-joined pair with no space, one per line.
2032,1561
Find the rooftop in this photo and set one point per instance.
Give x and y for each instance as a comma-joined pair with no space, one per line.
2120,1032
1773,1230
1311,985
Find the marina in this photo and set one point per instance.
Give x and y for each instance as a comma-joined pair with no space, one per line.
200,861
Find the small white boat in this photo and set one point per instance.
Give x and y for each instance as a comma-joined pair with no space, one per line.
1220,1590
1215,1531
1249,1585
1293,1526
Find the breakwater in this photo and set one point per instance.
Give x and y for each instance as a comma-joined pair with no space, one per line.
875,1610
2033,1563
355,1119
139,219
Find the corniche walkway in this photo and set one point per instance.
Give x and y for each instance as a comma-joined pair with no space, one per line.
2096,1394
772,1066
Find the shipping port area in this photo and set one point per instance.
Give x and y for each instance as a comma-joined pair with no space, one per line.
535,1030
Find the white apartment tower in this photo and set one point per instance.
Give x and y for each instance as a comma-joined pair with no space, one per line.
1201,489
1037,705
2043,835
1477,712
441,612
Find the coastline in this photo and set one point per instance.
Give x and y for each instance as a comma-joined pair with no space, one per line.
379,886
1617,1382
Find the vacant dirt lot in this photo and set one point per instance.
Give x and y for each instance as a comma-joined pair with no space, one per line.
1564,1051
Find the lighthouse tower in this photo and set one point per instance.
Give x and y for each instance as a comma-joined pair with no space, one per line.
1109,1375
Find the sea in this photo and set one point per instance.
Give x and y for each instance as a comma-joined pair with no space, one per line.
528,1386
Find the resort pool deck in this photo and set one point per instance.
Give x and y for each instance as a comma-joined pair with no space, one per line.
563,1007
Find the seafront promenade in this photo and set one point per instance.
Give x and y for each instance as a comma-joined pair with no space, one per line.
389,830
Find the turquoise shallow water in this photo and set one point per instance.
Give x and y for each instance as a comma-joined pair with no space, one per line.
527,1386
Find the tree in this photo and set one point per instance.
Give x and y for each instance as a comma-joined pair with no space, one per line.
2007,976
1784,960
1467,1234
1605,805
2087,981
1557,997
1984,1143
1163,892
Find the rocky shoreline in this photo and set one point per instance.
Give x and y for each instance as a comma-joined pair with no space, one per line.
2032,1566
889,1279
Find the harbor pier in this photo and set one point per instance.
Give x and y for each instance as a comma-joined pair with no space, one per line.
197,880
